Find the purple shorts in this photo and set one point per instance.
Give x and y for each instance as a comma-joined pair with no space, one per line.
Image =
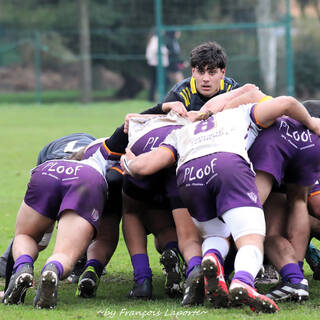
216,183
160,188
288,151
59,185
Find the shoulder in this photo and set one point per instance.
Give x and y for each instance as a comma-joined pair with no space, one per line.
229,84
179,91
64,146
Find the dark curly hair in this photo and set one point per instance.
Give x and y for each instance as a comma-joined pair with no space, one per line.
208,55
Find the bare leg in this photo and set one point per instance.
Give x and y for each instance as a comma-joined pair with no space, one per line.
99,254
106,241
136,240
30,227
264,182
278,249
132,226
189,239
161,224
68,248
298,228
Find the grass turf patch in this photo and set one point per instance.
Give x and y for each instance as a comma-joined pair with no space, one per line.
25,129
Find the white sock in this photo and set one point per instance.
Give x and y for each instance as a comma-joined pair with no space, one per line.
249,258
218,243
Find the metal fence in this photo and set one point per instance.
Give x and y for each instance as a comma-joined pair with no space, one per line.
45,62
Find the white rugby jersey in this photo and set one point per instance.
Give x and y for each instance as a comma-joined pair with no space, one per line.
98,162
138,127
232,130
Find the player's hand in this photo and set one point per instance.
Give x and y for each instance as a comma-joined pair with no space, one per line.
198,115
214,105
127,119
125,159
176,106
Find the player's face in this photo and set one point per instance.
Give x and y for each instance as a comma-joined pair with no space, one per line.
208,81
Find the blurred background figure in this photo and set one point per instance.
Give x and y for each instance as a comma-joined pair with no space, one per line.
176,63
152,61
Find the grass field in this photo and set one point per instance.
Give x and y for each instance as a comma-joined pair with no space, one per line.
25,129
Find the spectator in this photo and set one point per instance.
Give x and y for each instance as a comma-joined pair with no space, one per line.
152,61
176,64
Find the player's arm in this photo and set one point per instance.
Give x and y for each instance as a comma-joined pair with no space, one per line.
248,93
267,112
166,107
147,163
173,101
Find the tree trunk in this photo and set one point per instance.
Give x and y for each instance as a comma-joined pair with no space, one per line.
85,56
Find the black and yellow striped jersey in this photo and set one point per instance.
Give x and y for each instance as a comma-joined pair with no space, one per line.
186,92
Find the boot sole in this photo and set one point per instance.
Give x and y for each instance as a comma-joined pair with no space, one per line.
215,293
46,298
22,283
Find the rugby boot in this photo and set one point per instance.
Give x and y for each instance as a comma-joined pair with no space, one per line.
88,283
141,290
173,265
285,291
245,294
19,282
47,292
267,275
194,288
215,286
77,270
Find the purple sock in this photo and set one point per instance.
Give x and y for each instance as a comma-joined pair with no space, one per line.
245,277
172,245
217,253
24,258
141,267
58,266
300,264
291,273
96,264
194,261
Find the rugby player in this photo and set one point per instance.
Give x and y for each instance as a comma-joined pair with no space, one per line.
72,192
211,171
62,148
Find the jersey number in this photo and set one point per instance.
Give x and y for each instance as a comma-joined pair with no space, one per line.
204,125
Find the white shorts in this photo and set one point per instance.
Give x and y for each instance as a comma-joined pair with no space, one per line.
238,222
244,221
212,228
